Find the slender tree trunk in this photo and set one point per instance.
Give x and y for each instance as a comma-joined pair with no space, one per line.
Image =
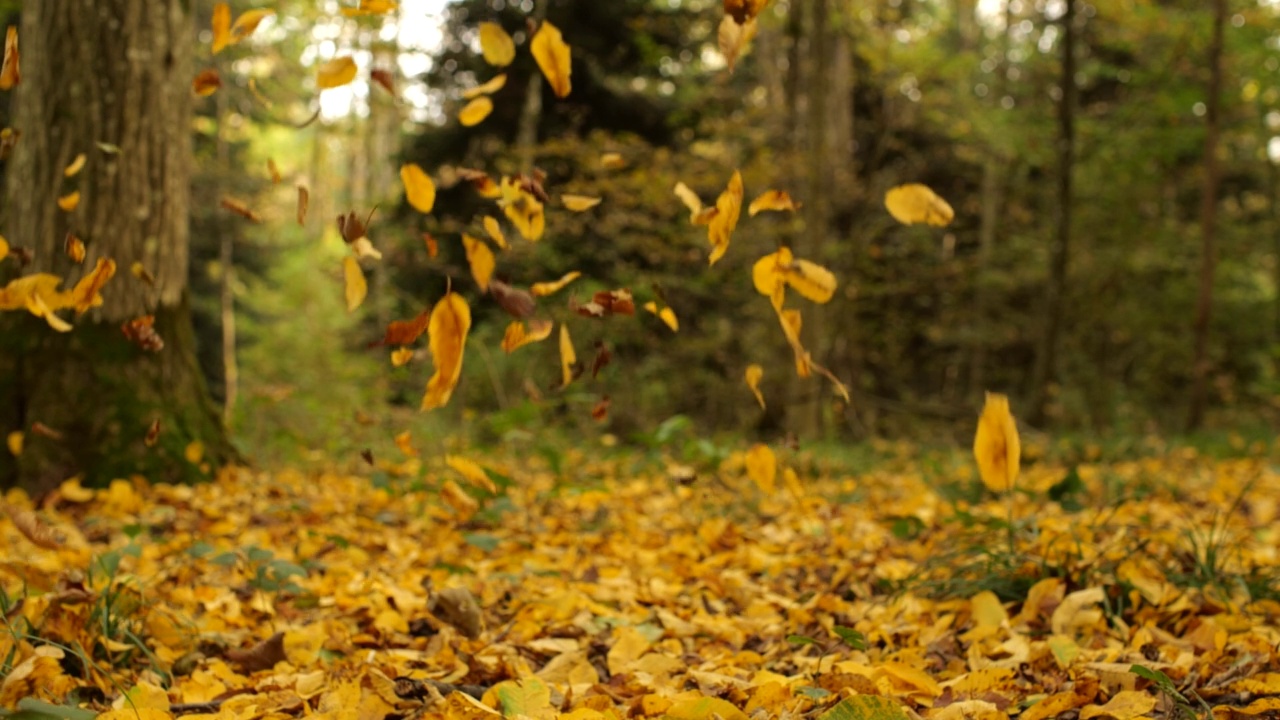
531,113
1208,223
128,85
1045,373
226,285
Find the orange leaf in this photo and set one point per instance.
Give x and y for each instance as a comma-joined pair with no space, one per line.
31,527
450,323
85,294
221,24
74,248
240,209
481,260
405,332
141,331
553,57
384,78
523,210
475,111
543,289
517,336
77,164
600,412
206,83
744,10
336,72
496,45
70,201
274,171
10,72
433,248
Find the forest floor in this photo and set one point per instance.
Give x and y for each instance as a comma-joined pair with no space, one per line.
627,587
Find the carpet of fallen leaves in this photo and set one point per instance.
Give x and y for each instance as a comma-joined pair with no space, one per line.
620,588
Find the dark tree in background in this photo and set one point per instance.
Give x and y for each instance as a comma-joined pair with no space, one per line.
113,72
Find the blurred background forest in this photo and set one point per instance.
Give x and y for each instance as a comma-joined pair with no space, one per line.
1077,143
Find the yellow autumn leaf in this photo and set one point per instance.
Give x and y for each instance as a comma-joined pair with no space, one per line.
36,306
87,292
553,57
194,452
492,86
4,248
777,200
523,210
70,201
1124,705
206,82
371,7
448,328
568,358
11,71
543,289
14,441
996,446
336,72
612,161
690,200
481,260
247,23
496,45
517,336
914,204
728,207
356,287
753,376
74,248
792,322
744,10
775,271
475,111
471,472
419,190
734,38
494,231
14,295
221,23
762,467
404,443
579,203
401,356
666,315
77,164
458,499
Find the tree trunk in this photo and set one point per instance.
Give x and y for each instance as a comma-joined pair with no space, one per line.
1208,223
1047,359
118,72
227,282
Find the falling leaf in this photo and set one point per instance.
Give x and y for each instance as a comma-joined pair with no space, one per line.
762,467
690,200
728,207
996,446
39,428
553,57
579,203
734,38
384,78
153,433
483,184
72,491
458,499
612,161
274,171
108,148
568,358
492,86
221,24
74,247
141,331
33,529
353,228
600,412
69,202
433,248
367,455
4,248
744,10
517,303
405,332
450,323
401,356
607,302
915,203
247,23
481,260
140,271
777,200
419,190
77,164
774,272
336,72
475,111
363,249
494,231
496,45
10,72
603,357
471,472
666,315
304,202
543,289
14,441
206,83
85,294
371,7
753,376
241,209
194,452
517,336
523,210
404,442
356,287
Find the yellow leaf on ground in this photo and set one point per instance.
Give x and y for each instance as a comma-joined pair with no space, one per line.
419,190
543,289
496,45
336,72
475,111
579,203
568,358
1124,705
553,57
356,286
481,260
517,336
495,84
914,204
762,467
753,376
450,323
221,24
462,503
996,446
777,200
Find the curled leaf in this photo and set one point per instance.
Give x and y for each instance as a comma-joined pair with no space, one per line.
401,356
70,201
523,209
777,200
543,289
336,72
517,335
405,332
553,58
77,164
494,84
494,231
74,247
85,294
518,303
35,530
690,200
304,202
914,204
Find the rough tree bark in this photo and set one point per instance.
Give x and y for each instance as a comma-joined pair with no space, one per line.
117,72
1208,223
1045,371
